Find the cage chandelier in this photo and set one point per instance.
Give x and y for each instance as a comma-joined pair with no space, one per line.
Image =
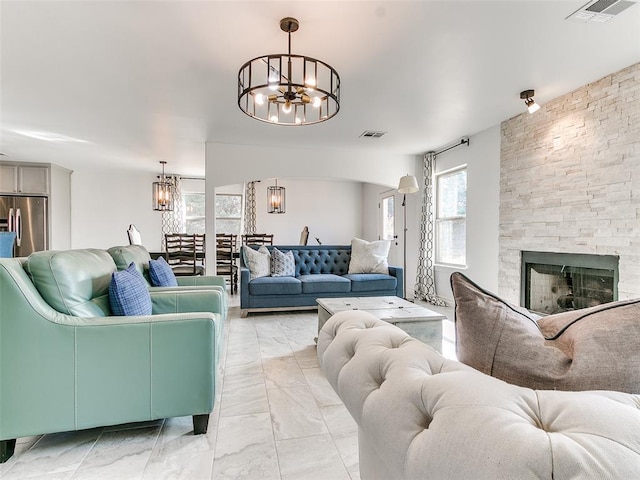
288,89
162,192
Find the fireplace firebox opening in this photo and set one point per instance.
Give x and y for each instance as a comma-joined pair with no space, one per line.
558,282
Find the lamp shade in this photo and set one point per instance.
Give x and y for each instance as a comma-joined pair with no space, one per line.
408,184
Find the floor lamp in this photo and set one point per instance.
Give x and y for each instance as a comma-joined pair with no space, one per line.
408,184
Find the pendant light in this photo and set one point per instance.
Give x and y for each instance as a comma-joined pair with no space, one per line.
276,199
162,192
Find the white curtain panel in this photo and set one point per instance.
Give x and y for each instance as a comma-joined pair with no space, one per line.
425,287
250,208
174,221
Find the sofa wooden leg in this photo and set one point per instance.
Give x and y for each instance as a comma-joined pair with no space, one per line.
200,424
7,447
244,313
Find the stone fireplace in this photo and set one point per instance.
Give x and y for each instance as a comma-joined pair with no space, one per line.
569,183
558,282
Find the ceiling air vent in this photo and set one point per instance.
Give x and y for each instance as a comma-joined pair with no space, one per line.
371,134
600,11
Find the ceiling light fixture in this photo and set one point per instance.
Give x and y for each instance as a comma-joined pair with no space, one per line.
288,89
527,96
276,199
163,192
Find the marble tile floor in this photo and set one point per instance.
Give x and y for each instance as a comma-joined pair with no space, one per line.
276,417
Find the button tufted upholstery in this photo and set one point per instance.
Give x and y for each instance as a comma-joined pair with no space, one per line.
423,416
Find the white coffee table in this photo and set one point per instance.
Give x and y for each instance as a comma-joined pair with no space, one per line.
419,322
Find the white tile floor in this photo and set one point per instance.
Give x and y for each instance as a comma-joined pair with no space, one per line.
277,418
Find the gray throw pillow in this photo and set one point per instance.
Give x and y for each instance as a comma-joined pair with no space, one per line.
283,264
590,349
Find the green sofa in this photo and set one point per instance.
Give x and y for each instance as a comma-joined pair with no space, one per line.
124,255
67,364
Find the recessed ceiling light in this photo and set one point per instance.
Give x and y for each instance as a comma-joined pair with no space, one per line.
48,136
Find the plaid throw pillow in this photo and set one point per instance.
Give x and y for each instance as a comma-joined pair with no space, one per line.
161,274
128,293
282,264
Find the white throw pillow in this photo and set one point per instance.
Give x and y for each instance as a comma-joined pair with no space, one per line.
369,257
258,262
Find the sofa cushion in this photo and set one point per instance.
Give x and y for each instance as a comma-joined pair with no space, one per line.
161,274
590,349
258,261
282,263
128,293
275,286
124,255
321,260
324,283
74,282
371,282
369,257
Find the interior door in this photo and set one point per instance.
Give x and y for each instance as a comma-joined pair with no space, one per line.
390,224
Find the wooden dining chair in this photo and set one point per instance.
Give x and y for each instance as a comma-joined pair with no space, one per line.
257,239
226,248
181,254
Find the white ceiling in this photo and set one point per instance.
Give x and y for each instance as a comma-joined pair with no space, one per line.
143,81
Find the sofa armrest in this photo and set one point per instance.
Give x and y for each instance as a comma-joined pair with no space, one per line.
187,299
244,287
203,288
398,272
201,280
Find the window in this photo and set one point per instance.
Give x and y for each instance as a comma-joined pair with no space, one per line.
229,213
451,217
194,205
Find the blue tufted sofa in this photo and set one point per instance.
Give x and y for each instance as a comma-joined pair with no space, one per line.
321,272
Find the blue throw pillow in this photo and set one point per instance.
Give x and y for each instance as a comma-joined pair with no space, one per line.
161,273
128,293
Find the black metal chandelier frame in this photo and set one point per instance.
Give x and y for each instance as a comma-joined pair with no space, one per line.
304,92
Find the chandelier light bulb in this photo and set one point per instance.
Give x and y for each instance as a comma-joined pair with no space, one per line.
298,120
274,118
317,101
286,108
259,99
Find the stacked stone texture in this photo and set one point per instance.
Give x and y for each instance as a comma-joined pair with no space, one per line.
570,180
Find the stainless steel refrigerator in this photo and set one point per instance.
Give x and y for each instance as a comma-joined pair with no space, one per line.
27,216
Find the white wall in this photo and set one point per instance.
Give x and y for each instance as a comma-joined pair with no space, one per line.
228,164
482,158
106,201
60,207
331,209
571,185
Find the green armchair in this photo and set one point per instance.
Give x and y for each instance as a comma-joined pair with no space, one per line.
66,363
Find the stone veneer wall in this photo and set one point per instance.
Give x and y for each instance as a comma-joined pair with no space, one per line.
570,180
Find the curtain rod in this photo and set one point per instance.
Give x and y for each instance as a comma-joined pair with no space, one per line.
463,141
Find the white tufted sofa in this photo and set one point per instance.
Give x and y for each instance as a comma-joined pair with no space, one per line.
421,416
